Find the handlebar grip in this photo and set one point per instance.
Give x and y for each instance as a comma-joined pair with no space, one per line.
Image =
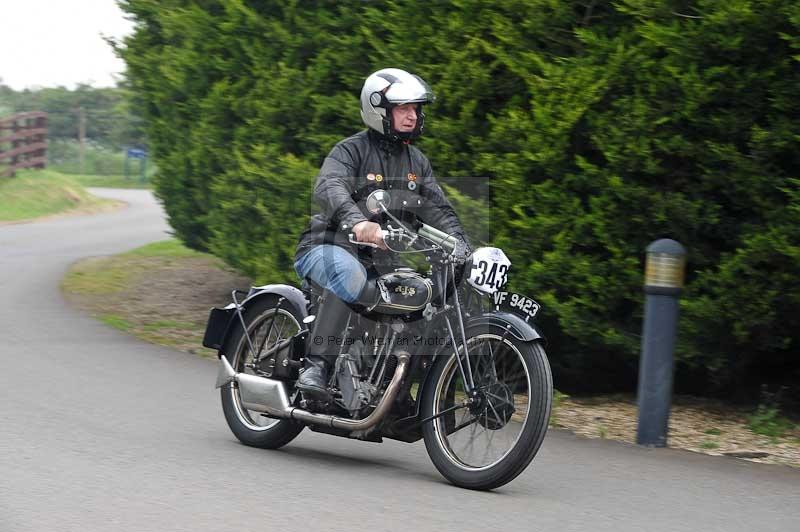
448,242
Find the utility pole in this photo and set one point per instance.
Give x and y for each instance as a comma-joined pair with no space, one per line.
81,136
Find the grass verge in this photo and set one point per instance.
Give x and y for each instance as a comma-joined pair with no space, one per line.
110,181
36,193
767,421
160,293
696,424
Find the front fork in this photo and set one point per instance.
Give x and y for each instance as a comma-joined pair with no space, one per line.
464,368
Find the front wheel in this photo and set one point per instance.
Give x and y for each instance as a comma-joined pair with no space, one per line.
487,431
266,327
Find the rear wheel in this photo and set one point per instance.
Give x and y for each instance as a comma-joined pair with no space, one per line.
251,427
484,438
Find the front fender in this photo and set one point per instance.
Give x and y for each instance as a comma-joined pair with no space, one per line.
506,321
222,321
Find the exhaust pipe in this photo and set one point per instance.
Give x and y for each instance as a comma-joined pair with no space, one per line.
270,396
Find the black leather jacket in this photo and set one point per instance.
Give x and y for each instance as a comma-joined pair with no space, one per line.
355,167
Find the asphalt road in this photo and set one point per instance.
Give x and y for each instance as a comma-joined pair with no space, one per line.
101,432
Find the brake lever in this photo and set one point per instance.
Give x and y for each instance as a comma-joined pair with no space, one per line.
400,233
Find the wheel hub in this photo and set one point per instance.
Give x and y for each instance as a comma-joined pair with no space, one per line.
493,405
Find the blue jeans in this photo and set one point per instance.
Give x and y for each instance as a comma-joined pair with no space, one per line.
335,269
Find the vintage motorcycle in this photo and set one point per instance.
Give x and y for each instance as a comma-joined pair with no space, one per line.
460,364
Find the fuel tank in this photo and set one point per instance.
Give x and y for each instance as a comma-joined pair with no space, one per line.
403,291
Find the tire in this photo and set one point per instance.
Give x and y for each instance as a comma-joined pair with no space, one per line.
513,405
251,428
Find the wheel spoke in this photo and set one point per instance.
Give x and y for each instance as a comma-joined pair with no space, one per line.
516,376
493,359
471,440
491,434
279,334
488,437
464,424
496,415
260,331
501,399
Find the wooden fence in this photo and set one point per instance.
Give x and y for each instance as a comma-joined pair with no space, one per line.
23,142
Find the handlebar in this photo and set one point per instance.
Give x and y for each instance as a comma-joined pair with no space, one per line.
447,242
377,202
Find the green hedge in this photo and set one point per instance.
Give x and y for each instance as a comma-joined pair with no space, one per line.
602,125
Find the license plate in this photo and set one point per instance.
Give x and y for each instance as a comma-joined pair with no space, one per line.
516,303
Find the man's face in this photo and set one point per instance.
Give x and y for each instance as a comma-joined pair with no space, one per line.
405,117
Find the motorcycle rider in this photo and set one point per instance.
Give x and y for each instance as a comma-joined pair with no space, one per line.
382,156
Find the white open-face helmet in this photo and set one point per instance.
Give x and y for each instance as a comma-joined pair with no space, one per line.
386,89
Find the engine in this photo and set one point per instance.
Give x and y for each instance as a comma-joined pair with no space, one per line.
362,373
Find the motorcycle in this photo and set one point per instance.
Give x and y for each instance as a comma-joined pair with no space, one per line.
461,365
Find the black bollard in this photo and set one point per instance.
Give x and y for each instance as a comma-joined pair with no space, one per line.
664,274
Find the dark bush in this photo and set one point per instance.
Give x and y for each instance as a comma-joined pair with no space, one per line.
603,126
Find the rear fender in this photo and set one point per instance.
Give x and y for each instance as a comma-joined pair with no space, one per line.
222,321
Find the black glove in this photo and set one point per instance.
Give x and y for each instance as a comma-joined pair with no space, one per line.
462,252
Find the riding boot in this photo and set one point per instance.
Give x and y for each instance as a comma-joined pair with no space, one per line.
371,294
325,341
313,380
